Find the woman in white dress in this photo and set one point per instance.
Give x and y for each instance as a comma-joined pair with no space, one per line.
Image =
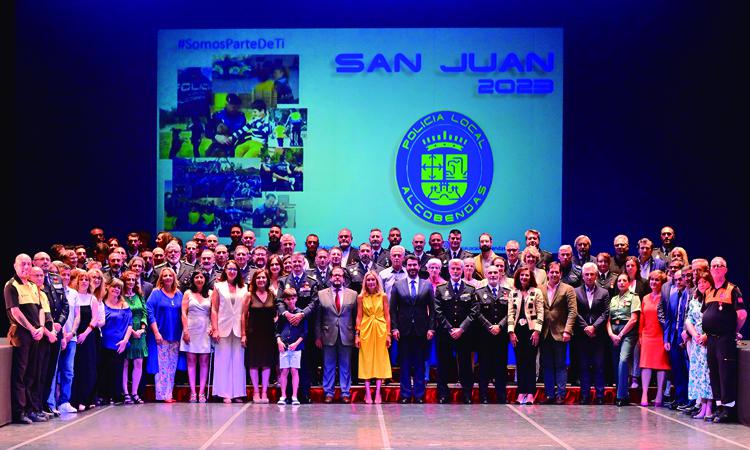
226,315
196,329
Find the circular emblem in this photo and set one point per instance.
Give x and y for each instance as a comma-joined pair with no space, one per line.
444,167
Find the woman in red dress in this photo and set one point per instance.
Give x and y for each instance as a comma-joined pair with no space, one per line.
651,333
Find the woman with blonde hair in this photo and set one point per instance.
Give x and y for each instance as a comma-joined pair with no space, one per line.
116,331
373,334
530,257
226,329
164,308
138,348
87,355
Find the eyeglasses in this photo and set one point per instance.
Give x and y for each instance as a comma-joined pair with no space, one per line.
717,266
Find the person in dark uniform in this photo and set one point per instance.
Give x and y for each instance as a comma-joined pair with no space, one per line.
321,270
26,318
361,267
307,300
59,309
724,315
196,134
176,144
44,346
492,319
455,309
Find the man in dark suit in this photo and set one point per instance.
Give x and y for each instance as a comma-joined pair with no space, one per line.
380,256
560,310
182,269
676,311
606,278
334,333
513,257
321,270
491,323
349,255
412,325
455,239
307,300
359,269
455,309
583,251
418,243
533,239
114,268
571,275
593,311
208,267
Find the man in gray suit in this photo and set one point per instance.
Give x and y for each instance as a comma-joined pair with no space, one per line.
335,334
181,268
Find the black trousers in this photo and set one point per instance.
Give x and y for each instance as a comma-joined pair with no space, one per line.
722,366
591,362
493,364
412,352
24,373
38,397
525,361
110,381
446,346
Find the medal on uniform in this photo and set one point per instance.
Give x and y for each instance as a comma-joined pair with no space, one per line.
522,322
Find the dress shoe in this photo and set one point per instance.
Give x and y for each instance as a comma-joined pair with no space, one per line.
403,400
467,401
328,399
419,401
35,417
672,406
599,401
484,401
346,399
443,400
559,401
24,419
727,415
621,402
548,401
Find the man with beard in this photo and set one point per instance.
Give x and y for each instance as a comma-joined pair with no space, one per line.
359,269
667,236
380,256
436,245
583,251
484,259
312,243
412,325
235,235
274,240
394,237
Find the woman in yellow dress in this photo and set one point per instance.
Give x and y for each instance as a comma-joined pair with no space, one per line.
373,335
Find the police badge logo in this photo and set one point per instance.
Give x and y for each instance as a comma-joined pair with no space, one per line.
444,167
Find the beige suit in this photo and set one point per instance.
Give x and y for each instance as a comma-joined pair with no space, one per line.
559,314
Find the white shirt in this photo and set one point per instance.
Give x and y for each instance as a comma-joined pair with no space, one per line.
345,256
72,296
416,284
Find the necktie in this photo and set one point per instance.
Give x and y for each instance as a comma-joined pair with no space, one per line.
494,292
601,276
296,281
413,289
680,311
338,301
455,287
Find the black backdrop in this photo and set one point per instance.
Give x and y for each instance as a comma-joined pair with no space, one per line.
655,112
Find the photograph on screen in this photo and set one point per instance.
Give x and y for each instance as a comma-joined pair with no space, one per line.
224,178
274,209
281,169
289,127
272,78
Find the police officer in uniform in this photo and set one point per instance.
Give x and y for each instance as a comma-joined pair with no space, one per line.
321,271
307,300
358,271
492,321
723,316
455,309
26,317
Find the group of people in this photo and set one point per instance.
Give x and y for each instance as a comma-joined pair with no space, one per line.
85,328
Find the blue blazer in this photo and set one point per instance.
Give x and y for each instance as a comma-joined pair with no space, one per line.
673,327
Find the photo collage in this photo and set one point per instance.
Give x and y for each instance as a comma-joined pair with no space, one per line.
236,140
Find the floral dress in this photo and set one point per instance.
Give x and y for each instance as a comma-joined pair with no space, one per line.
699,384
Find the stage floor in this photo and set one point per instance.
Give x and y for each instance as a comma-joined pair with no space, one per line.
215,425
